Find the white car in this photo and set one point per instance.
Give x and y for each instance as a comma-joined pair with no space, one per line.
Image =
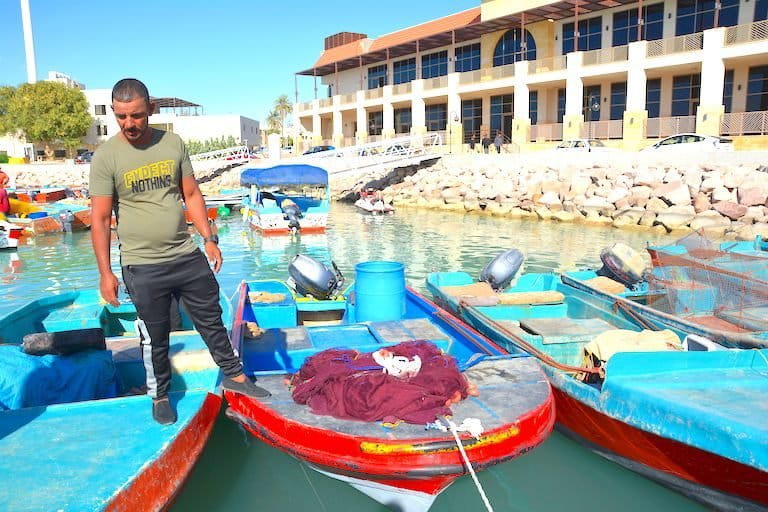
584,146
692,142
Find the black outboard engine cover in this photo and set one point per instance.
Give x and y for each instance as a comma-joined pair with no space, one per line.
500,271
311,277
622,263
292,215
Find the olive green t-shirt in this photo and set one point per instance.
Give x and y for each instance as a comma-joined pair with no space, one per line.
145,184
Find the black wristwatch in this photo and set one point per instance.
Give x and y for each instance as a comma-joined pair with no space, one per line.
212,238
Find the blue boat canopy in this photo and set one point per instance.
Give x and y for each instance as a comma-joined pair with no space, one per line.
295,174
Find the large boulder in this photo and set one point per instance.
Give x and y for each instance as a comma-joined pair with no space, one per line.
733,211
674,193
753,196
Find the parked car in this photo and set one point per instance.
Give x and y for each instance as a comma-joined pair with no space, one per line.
584,146
318,149
692,142
84,158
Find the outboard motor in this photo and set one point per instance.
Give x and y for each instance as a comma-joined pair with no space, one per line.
500,271
311,277
292,214
622,263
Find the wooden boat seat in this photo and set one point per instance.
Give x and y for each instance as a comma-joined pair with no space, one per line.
566,330
500,402
74,316
188,351
751,318
606,284
522,298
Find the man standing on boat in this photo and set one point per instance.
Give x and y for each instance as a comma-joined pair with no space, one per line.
145,174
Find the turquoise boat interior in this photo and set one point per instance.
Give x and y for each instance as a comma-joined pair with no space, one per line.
699,398
85,418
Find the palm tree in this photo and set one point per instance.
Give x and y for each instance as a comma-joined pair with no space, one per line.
273,121
283,107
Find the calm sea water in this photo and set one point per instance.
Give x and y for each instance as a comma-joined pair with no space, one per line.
238,473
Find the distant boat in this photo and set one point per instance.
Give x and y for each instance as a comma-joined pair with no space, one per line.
691,420
371,201
404,466
286,199
76,432
9,235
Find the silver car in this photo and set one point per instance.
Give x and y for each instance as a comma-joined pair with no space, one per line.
692,142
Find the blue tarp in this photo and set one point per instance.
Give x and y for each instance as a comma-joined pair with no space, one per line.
29,381
300,174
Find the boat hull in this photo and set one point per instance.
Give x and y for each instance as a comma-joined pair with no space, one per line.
276,224
157,486
698,474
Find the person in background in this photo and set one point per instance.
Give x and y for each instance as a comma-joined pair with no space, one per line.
146,173
4,179
486,144
498,141
472,142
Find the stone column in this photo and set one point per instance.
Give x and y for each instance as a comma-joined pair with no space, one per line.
635,114
521,123
317,124
361,136
454,128
388,115
573,119
709,113
418,111
338,123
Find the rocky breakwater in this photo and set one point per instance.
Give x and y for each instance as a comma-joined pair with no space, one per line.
724,200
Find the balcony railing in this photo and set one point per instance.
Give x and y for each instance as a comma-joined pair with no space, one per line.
307,105
546,132
470,77
665,126
349,98
326,102
436,83
612,129
687,43
372,94
746,33
547,64
401,89
745,123
503,71
605,55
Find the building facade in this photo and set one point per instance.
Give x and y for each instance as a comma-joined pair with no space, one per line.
540,71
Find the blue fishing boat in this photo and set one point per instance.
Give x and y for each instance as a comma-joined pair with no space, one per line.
404,465
76,429
691,420
285,199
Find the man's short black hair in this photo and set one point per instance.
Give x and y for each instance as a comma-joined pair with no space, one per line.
129,89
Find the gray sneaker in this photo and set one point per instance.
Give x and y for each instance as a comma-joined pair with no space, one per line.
162,411
246,388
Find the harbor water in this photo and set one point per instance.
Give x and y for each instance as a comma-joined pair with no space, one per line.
238,473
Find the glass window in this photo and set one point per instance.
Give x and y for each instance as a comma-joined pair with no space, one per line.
653,97
101,110
591,103
533,106
472,118
625,24
502,108
560,105
761,10
434,64
468,58
404,71
509,49
375,122
757,89
590,35
699,15
685,94
402,120
728,90
436,117
618,100
377,76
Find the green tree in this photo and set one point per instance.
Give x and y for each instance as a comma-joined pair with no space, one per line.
274,123
6,93
49,113
283,107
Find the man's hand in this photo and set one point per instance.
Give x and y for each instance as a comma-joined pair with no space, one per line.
213,253
108,287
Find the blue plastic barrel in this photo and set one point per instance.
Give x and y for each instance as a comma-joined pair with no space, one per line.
379,291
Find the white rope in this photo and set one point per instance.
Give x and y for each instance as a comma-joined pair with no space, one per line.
453,429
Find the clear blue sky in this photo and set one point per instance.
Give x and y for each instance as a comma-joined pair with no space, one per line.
231,56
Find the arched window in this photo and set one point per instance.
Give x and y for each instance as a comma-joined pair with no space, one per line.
509,48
